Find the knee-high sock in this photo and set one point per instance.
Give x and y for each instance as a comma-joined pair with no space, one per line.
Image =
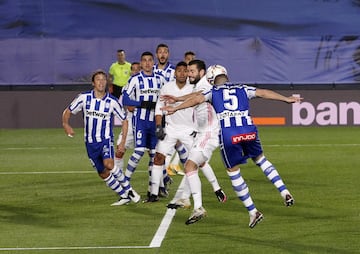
150,165
119,175
271,173
156,178
210,176
195,187
134,161
114,184
242,191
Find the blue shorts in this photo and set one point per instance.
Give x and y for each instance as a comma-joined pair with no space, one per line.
144,134
236,149
98,152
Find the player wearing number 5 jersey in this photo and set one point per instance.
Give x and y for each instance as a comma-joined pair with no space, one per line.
239,136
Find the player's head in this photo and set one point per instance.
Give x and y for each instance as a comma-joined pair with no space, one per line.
197,70
98,79
188,56
121,56
97,72
181,72
216,74
135,68
162,53
147,62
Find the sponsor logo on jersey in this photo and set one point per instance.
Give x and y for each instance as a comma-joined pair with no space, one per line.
227,114
95,114
243,137
149,91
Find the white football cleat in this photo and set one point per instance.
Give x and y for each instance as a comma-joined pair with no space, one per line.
121,201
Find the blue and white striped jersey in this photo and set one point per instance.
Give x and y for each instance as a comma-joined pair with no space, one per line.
168,72
231,103
142,87
98,115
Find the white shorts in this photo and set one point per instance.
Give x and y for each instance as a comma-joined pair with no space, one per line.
166,146
204,145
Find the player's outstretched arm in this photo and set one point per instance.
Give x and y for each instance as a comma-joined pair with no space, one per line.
170,99
272,95
195,99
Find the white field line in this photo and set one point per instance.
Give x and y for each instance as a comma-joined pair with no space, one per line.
75,248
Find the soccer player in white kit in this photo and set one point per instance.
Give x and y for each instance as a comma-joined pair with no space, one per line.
206,141
164,67
178,127
99,108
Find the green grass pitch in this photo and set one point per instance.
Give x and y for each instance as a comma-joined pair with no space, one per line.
52,201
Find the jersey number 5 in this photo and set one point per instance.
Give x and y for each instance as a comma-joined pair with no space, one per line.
230,99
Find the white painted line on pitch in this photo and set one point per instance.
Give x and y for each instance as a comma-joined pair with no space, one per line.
163,228
76,248
165,224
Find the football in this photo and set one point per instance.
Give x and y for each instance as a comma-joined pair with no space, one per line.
213,71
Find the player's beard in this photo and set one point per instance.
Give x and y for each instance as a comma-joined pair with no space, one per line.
196,80
162,60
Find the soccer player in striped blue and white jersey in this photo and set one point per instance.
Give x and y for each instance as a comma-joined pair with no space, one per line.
142,92
239,138
99,109
163,66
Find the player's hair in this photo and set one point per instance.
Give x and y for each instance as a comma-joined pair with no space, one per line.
200,65
96,72
181,63
147,53
133,63
161,45
189,53
120,50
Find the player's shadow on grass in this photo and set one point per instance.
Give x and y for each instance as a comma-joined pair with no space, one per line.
27,216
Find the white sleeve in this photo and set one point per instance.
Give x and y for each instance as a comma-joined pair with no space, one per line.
160,103
77,104
250,91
